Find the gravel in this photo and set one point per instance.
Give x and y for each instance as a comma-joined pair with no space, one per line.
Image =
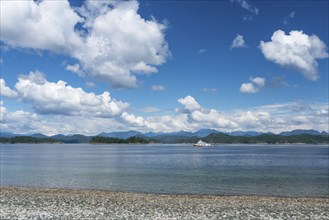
32,203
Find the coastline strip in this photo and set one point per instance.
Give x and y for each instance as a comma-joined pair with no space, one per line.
28,203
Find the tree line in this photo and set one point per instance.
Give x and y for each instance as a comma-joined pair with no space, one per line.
111,140
268,139
27,139
212,138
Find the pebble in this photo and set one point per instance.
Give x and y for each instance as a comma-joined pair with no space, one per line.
32,203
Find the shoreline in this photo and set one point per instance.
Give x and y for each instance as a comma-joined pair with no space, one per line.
191,144
72,190
26,203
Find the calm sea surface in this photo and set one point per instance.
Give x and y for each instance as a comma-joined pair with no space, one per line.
283,170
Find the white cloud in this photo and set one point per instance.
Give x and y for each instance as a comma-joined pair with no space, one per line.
287,19
274,118
238,41
59,98
193,117
248,88
297,115
212,119
252,120
23,122
296,50
16,121
254,86
75,68
259,81
114,45
131,119
190,103
158,88
45,25
197,116
246,5
121,43
169,123
5,91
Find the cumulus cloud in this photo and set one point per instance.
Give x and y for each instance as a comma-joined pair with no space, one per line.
44,25
197,116
190,103
60,98
131,119
5,91
246,5
252,120
296,115
121,43
297,50
24,122
259,81
212,119
114,42
16,121
248,88
254,86
275,118
238,41
169,123
158,88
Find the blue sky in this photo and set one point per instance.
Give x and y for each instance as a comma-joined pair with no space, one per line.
93,66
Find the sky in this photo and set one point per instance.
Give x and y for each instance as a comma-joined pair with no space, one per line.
88,67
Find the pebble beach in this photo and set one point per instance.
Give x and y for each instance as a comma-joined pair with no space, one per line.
33,203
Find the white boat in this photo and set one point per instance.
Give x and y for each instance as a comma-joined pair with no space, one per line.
202,144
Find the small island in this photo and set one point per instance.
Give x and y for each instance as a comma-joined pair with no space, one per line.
111,140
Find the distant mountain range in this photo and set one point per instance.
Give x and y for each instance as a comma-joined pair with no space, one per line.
205,132
127,134
200,133
297,132
170,137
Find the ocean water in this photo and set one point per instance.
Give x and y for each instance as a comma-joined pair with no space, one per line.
281,170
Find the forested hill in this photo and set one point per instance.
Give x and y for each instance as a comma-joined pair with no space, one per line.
268,138
263,138
110,140
27,139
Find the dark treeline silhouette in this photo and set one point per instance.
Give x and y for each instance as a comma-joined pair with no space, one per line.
27,139
111,140
171,139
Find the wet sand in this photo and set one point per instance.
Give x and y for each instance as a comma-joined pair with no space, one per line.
33,203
